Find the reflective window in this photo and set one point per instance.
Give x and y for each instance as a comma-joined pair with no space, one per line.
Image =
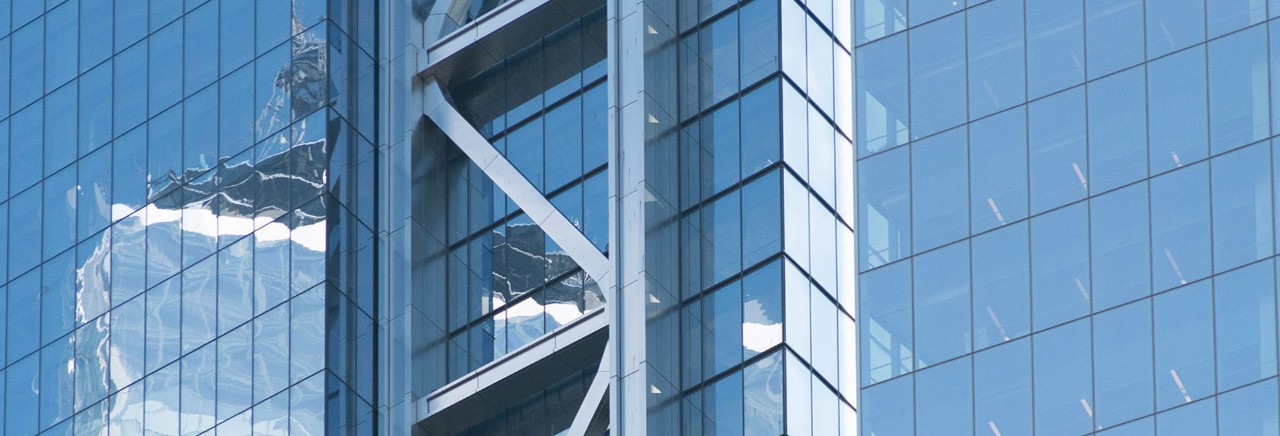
1055,46
722,329
941,300
938,189
1199,418
1241,194
761,219
1002,389
1183,327
1058,158
761,128
885,323
762,396
1178,104
997,67
998,174
719,60
1180,234
722,403
759,39
1063,388
722,239
937,76
1001,279
721,163
761,310
1245,325
944,400
1114,38
877,18
1173,24
1238,96
884,215
882,95
1121,249
922,11
1229,15
1117,130
1122,363
1059,266
1251,410
883,406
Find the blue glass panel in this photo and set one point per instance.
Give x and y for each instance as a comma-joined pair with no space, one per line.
938,189
1178,105
1063,391
200,47
306,334
130,22
164,324
881,73
1238,94
95,108
27,64
721,164
26,143
1060,266
997,67
1142,427
937,76
719,60
595,128
1199,418
57,297
274,25
759,38
130,87
270,352
235,36
1002,389
128,342
60,137
884,212
722,239
761,219
57,385
922,11
22,395
24,231
59,211
1001,279
885,327
944,399
1173,24
1055,46
563,143
762,397
1122,375
761,128
235,372
1114,35
23,328
1059,170
883,406
524,150
1117,130
1241,207
1184,345
94,25
1250,411
595,194
941,301
722,334
876,18
1245,325
199,388
998,169
762,309
1180,227
722,403
1121,253
1226,16
164,67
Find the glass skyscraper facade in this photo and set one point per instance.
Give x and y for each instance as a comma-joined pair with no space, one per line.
1067,215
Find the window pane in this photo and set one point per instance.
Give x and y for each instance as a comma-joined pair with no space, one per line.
722,336
563,143
997,68
762,397
1062,380
1199,418
998,176
938,188
761,128
937,76
759,28
722,402
1142,427
1238,99
719,52
1059,171
1180,227
762,309
883,406
1122,363
1228,15
1173,24
941,302
885,323
1059,266
1001,279
524,150
1117,130
882,94
1114,37
722,239
1184,345
1177,101
923,11
1245,325
876,18
944,399
884,215
720,160
1002,389
1121,254
1241,207
1249,411
1055,46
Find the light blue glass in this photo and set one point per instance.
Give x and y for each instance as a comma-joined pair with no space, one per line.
883,107
57,297
130,22
21,398
1251,410
1114,38
883,406
1238,95
1178,109
1058,156
937,76
1180,233
1060,286
1117,130
759,39
235,372
93,25
722,239
595,193
95,108
563,153
27,64
128,342
761,219
199,386
59,212
60,43
1063,388
59,141
797,295
525,151
939,186
799,383
998,169
1122,374
199,135
944,399
1173,25
761,128
1001,280
722,316
762,396
884,210
595,125
164,68
1245,325
57,385
235,284
271,352
823,322
1121,246
24,231
1242,222
306,334
875,19
1226,16
200,48
1183,325
1002,389
199,304
997,57
941,300
1199,418
1055,46
164,324
719,59
26,147
820,66
1141,427
885,327
721,161
762,314
722,402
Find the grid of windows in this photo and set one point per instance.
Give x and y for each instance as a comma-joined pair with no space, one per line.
1066,226
165,215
